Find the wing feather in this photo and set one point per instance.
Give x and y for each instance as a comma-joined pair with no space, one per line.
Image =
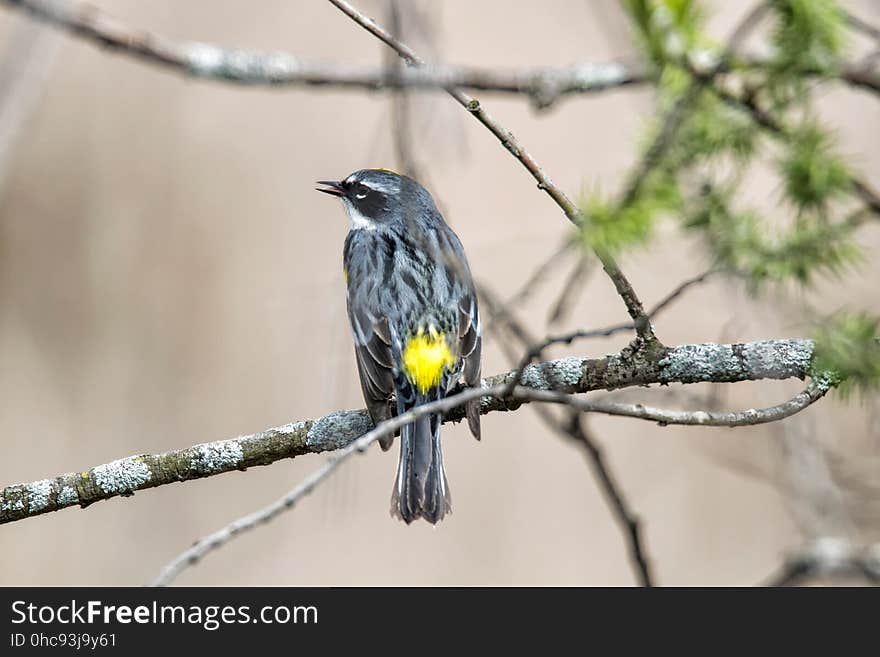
375,364
470,348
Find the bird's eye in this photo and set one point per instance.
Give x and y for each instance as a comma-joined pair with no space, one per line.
361,192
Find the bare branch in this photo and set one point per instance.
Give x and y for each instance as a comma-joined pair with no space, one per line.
254,67
745,27
542,85
541,272
683,287
499,310
673,120
814,391
401,104
572,286
694,363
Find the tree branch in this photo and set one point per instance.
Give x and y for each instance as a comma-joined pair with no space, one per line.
542,85
814,391
694,363
254,67
222,536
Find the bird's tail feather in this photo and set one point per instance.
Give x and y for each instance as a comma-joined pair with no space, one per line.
421,489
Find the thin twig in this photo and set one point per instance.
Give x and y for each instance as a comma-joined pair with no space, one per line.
683,287
654,154
570,289
815,390
520,296
607,481
540,273
401,104
501,313
575,429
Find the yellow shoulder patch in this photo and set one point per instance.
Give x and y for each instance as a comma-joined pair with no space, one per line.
425,357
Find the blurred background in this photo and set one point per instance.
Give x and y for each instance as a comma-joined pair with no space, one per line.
168,276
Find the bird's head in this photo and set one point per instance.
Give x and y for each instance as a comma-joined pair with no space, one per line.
377,197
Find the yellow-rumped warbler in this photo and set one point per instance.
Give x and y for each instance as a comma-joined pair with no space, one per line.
414,317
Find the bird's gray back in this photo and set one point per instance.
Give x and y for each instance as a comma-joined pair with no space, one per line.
413,272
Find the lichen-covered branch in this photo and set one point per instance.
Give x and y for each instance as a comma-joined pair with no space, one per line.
693,363
498,391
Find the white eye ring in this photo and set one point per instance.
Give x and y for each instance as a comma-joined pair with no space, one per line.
360,196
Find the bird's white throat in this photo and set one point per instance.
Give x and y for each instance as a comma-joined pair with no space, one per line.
356,219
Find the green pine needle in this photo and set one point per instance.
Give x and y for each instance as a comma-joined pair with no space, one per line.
610,228
812,175
742,243
808,36
848,352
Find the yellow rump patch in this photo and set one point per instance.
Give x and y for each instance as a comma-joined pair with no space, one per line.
396,173
425,357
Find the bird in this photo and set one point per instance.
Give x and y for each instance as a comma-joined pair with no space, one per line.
415,321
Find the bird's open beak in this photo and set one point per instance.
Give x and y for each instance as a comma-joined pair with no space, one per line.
333,188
